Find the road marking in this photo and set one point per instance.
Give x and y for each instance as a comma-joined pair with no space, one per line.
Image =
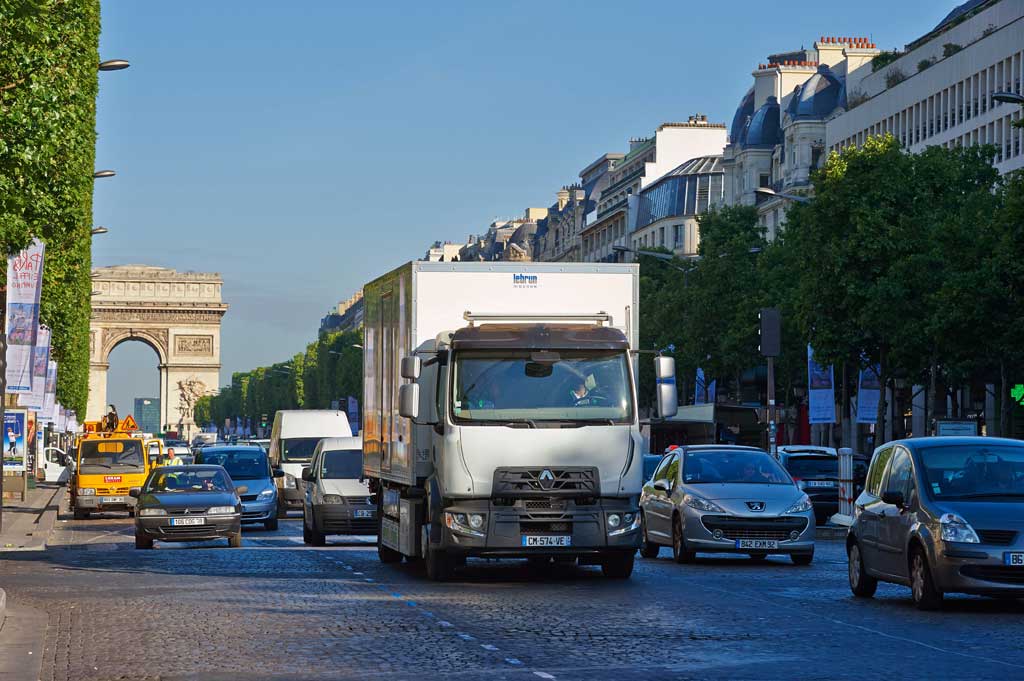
488,646
544,675
465,637
512,660
445,624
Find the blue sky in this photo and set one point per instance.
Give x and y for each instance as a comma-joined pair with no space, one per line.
302,148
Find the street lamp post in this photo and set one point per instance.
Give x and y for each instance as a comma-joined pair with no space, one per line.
98,230
113,65
766,193
103,173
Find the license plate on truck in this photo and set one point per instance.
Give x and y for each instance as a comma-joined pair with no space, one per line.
188,521
361,513
1015,558
546,540
111,500
757,544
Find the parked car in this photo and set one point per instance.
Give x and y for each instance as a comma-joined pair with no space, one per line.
248,463
725,499
941,514
188,503
815,470
336,500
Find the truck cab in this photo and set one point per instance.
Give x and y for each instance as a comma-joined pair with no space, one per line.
107,466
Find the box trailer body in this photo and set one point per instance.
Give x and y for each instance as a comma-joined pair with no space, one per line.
534,324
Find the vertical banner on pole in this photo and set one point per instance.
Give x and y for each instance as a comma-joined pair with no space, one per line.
868,393
24,282
33,399
352,408
821,394
50,393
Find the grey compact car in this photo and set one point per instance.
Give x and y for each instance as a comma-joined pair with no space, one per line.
188,503
941,514
725,499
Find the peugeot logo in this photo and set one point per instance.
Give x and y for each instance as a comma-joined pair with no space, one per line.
756,506
546,478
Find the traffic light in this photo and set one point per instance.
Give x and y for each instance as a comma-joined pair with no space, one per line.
770,332
263,421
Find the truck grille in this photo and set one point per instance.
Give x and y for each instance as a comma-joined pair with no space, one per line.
534,527
546,482
997,537
112,491
748,528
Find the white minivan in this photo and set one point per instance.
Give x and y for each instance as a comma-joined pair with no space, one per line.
337,499
293,439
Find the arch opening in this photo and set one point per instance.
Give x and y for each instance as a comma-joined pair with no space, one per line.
134,382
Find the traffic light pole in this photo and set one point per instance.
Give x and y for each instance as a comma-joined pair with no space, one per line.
772,427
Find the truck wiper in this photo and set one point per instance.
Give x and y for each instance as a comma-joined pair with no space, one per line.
517,422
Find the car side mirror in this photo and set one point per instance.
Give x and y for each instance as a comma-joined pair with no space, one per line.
241,490
278,473
307,473
894,498
662,485
135,492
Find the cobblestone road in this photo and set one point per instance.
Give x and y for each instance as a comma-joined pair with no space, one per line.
277,609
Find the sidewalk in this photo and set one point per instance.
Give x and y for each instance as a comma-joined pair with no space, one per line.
27,524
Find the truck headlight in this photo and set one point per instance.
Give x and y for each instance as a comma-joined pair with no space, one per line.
462,523
623,523
151,512
955,528
221,510
332,498
86,492
266,494
289,481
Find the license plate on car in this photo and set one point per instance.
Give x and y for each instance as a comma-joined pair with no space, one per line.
112,500
364,513
1016,558
546,541
819,483
763,544
188,521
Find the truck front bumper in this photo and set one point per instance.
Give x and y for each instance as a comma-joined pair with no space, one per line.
98,504
541,527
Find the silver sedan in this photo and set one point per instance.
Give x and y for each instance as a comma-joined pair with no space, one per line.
725,499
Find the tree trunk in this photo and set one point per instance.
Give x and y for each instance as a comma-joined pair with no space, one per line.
883,382
954,396
929,414
844,417
1004,401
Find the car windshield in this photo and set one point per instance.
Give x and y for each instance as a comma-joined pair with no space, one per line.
111,454
813,467
342,463
185,480
241,464
974,471
298,448
733,466
502,387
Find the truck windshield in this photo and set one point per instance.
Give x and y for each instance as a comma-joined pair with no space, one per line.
108,454
298,448
502,387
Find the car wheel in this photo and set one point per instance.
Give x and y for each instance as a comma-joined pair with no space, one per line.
235,540
80,514
131,512
618,567
271,525
143,542
282,508
648,549
862,584
306,536
926,596
680,552
316,537
802,558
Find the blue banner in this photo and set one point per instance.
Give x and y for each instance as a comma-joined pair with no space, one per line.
821,391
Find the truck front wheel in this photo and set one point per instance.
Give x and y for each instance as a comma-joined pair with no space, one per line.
440,565
618,566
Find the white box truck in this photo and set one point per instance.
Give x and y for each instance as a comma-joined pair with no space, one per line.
501,414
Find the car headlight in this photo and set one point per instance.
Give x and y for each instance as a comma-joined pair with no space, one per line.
622,523
266,494
801,506
332,498
152,511
955,528
289,481
221,510
86,491
702,504
462,523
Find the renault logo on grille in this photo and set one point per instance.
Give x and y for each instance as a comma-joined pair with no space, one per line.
546,478
755,505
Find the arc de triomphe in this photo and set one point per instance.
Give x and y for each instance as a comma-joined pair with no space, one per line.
178,314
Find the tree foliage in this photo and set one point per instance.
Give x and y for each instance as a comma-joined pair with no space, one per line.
48,86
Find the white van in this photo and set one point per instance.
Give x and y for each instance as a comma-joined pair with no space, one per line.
293,439
336,499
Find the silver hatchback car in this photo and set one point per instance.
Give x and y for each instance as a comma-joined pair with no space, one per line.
725,499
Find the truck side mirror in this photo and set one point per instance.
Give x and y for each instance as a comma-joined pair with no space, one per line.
307,473
411,367
668,398
409,400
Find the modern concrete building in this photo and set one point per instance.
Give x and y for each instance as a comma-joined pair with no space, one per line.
939,90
